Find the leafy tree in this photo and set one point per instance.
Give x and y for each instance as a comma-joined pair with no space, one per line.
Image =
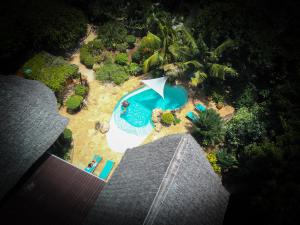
244,128
112,33
208,128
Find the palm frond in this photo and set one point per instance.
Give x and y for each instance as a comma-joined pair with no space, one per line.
198,78
195,63
151,41
229,43
218,70
153,60
180,52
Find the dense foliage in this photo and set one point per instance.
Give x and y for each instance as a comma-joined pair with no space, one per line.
121,59
50,70
63,145
112,72
28,25
241,52
112,33
81,90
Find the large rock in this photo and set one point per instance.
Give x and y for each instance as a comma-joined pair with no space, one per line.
104,127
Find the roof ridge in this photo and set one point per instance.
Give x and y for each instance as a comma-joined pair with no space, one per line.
167,180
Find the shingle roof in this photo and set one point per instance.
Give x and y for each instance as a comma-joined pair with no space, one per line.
56,193
29,125
168,181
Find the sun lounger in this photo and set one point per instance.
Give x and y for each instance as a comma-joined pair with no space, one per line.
200,107
107,169
97,159
192,116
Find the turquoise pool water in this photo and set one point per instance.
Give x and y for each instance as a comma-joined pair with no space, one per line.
139,111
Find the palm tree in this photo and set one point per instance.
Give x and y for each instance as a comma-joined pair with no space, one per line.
177,49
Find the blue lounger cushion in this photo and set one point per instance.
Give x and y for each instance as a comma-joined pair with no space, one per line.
192,116
97,159
200,107
107,169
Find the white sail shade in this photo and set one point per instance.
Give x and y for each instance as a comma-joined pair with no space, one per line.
157,84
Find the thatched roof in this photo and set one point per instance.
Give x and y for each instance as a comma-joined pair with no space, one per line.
29,125
168,181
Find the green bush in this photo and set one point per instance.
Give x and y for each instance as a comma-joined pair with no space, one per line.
50,70
119,77
217,98
121,59
112,72
86,58
74,102
80,90
112,33
208,128
108,57
95,47
134,69
130,39
67,136
122,47
167,118
137,57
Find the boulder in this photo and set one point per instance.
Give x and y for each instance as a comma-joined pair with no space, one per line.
104,127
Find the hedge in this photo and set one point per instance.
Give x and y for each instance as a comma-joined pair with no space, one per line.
50,70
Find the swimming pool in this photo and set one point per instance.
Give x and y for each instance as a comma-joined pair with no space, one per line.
137,117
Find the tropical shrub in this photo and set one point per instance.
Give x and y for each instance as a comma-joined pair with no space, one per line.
167,118
95,47
67,136
121,59
74,102
112,72
121,47
212,158
137,57
86,58
244,128
112,33
130,39
119,77
226,160
51,70
108,57
208,128
81,90
134,69
248,97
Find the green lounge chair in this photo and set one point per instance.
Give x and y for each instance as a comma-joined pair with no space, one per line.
107,169
192,116
97,159
200,107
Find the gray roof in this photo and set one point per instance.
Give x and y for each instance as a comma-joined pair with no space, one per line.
29,125
168,181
